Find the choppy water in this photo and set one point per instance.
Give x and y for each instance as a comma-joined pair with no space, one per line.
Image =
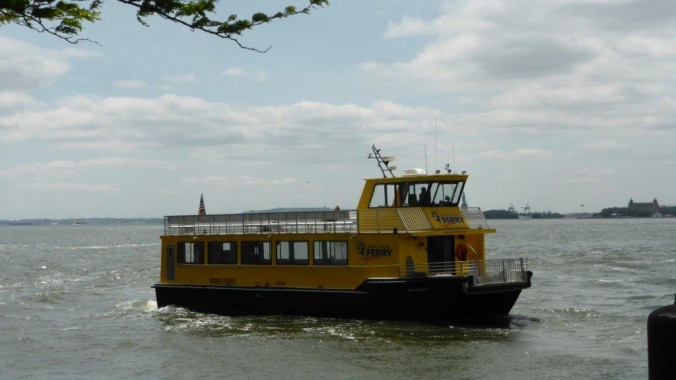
76,302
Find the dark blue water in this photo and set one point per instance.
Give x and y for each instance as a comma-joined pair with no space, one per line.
76,302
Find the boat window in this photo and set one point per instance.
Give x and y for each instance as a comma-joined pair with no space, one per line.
383,196
222,252
417,194
191,252
423,191
256,252
292,253
330,253
445,193
407,195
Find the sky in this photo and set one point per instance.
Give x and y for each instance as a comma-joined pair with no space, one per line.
567,106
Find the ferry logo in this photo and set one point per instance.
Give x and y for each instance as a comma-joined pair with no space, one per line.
369,253
446,219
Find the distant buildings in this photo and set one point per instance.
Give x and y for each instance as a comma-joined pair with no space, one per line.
640,209
644,206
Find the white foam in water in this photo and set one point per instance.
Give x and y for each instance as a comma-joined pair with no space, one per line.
144,306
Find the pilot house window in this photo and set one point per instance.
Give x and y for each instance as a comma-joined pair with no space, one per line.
191,253
383,196
417,194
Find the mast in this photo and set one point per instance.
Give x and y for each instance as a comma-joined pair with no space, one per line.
383,162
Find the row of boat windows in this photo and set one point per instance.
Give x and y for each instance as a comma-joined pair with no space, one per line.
417,194
324,252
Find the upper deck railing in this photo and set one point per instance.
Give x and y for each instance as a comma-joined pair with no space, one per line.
343,221
269,222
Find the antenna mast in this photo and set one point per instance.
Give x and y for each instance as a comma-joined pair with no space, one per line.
383,162
435,145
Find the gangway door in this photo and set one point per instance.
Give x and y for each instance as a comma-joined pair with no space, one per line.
440,252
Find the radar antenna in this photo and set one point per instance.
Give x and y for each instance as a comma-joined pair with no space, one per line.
383,162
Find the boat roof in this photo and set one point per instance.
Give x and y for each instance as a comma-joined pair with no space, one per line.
422,178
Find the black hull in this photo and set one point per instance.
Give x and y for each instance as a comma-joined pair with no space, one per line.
417,299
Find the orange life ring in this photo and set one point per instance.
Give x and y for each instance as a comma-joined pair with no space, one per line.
461,252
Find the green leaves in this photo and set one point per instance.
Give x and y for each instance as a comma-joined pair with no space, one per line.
197,15
260,17
16,7
65,18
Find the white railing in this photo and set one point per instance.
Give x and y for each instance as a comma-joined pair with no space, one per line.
501,271
262,223
485,272
474,217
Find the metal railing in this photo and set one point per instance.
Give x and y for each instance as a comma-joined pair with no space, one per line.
262,223
372,220
474,217
485,272
501,271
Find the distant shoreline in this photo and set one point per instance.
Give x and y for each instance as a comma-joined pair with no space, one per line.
490,214
149,221
82,221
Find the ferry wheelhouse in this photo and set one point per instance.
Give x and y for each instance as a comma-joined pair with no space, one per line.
408,251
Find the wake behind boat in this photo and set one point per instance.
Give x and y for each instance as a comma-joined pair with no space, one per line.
408,251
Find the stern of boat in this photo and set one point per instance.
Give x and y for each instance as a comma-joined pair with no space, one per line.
477,290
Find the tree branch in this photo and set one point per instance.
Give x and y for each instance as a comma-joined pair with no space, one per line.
64,18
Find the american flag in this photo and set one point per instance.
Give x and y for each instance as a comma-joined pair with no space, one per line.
202,210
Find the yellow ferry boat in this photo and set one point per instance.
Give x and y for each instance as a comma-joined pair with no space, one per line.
409,251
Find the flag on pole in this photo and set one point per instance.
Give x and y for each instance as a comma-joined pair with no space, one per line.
202,210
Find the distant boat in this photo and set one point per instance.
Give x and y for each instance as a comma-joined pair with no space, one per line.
77,222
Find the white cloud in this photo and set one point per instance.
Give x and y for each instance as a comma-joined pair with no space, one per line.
185,78
246,180
408,26
171,119
234,72
544,55
130,83
75,187
520,155
258,76
103,162
65,168
25,67
16,101
604,146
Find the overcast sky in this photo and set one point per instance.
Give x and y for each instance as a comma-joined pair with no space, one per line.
553,103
